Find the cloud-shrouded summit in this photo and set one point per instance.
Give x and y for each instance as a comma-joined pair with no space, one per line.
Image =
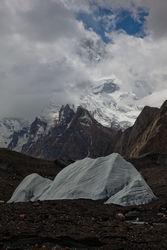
62,47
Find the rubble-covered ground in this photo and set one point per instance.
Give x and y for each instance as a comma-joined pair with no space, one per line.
80,224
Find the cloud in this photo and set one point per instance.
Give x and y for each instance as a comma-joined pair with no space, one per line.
134,59
157,18
40,20
41,48
47,21
45,49
155,22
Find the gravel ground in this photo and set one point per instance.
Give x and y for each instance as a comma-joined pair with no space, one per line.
80,224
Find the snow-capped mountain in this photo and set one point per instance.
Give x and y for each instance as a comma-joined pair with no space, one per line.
8,126
74,136
111,106
106,102
27,134
104,99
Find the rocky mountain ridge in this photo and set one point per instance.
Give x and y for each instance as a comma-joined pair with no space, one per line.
105,99
77,134
8,126
147,136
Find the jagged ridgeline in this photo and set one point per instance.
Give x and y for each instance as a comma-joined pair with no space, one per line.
77,134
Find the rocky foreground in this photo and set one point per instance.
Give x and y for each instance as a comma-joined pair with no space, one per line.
83,224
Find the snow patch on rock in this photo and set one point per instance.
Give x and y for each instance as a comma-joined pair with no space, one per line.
7,127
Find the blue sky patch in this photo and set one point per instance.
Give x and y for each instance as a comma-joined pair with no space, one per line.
105,21
96,21
131,26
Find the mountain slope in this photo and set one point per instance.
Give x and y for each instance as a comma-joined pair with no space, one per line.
15,166
8,126
76,136
104,99
110,105
106,102
147,136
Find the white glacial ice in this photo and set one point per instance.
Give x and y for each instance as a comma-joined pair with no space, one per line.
111,178
30,189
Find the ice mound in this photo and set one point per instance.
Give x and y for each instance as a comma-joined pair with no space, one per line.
31,188
111,178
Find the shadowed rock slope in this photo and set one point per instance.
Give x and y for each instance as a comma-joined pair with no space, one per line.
15,166
76,136
80,136
147,136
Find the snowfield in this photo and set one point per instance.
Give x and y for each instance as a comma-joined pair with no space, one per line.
110,178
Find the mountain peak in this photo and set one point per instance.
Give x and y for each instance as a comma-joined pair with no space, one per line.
65,114
108,86
82,111
164,108
146,116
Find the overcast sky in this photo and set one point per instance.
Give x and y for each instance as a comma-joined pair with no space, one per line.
49,46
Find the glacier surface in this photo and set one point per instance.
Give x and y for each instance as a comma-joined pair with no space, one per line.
110,178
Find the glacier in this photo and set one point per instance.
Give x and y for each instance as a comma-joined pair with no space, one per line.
109,178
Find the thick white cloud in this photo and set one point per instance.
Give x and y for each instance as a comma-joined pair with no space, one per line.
131,59
157,18
44,49
40,47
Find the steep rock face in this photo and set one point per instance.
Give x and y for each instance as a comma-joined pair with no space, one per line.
107,103
76,136
147,136
37,129
8,127
15,142
24,138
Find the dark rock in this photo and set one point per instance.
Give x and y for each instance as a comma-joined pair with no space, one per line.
148,136
76,136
